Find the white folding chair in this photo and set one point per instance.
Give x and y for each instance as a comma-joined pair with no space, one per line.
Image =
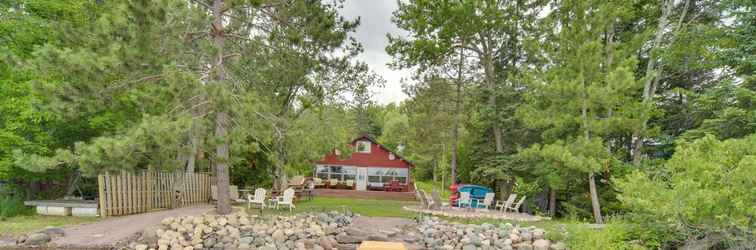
464,199
501,206
258,198
287,199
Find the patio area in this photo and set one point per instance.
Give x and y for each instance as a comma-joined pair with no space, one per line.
468,213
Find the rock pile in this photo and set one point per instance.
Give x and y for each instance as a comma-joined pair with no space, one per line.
39,238
437,234
243,231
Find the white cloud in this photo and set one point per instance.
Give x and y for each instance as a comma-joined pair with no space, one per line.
375,17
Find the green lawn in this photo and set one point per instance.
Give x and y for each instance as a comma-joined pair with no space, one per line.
373,208
29,223
428,186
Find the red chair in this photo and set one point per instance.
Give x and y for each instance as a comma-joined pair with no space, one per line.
395,186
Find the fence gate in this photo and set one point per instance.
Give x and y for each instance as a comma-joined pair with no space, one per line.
132,193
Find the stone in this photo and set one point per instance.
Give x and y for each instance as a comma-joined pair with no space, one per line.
9,243
515,238
541,244
538,234
150,234
140,247
558,246
317,247
325,243
54,231
279,236
348,239
209,242
378,237
36,239
526,236
468,247
523,246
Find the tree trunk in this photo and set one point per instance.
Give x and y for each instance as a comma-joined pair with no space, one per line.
591,181
221,119
552,202
594,199
434,162
279,173
72,184
505,188
455,128
650,79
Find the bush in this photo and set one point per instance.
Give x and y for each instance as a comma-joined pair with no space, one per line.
614,235
11,207
707,188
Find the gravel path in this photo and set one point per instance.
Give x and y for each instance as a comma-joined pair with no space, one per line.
110,231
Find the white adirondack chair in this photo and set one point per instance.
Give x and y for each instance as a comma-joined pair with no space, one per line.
516,207
287,199
501,206
464,199
258,198
487,201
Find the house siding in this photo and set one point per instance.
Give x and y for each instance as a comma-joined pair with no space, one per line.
378,157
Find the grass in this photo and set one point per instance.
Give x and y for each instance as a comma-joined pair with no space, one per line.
364,207
428,187
28,223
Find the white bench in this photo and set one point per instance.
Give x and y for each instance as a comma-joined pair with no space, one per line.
65,207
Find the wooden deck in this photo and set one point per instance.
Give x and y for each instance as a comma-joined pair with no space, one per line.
373,195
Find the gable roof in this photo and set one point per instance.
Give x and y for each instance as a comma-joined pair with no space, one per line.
370,138
379,156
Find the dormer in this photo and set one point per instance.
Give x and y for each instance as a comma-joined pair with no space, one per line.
363,146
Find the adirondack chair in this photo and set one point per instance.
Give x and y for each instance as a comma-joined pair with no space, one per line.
350,184
258,198
287,199
464,199
516,207
318,182
332,183
502,205
487,201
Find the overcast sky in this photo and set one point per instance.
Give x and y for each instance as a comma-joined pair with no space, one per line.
375,17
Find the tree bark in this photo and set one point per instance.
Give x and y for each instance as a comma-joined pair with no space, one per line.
455,128
650,80
552,202
279,175
591,180
222,118
594,199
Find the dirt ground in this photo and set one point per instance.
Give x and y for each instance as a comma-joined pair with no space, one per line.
110,231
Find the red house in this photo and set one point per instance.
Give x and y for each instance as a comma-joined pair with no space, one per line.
371,166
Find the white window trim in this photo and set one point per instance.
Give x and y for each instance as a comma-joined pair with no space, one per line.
369,147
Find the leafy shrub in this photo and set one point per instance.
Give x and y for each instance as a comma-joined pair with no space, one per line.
614,235
707,188
10,207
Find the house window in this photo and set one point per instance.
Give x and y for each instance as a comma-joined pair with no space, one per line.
340,173
381,176
363,146
392,156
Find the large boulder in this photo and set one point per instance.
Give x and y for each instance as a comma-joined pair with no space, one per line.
541,244
36,239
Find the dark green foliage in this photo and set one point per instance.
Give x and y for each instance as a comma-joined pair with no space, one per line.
705,189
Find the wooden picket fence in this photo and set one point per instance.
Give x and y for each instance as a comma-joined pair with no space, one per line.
132,193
